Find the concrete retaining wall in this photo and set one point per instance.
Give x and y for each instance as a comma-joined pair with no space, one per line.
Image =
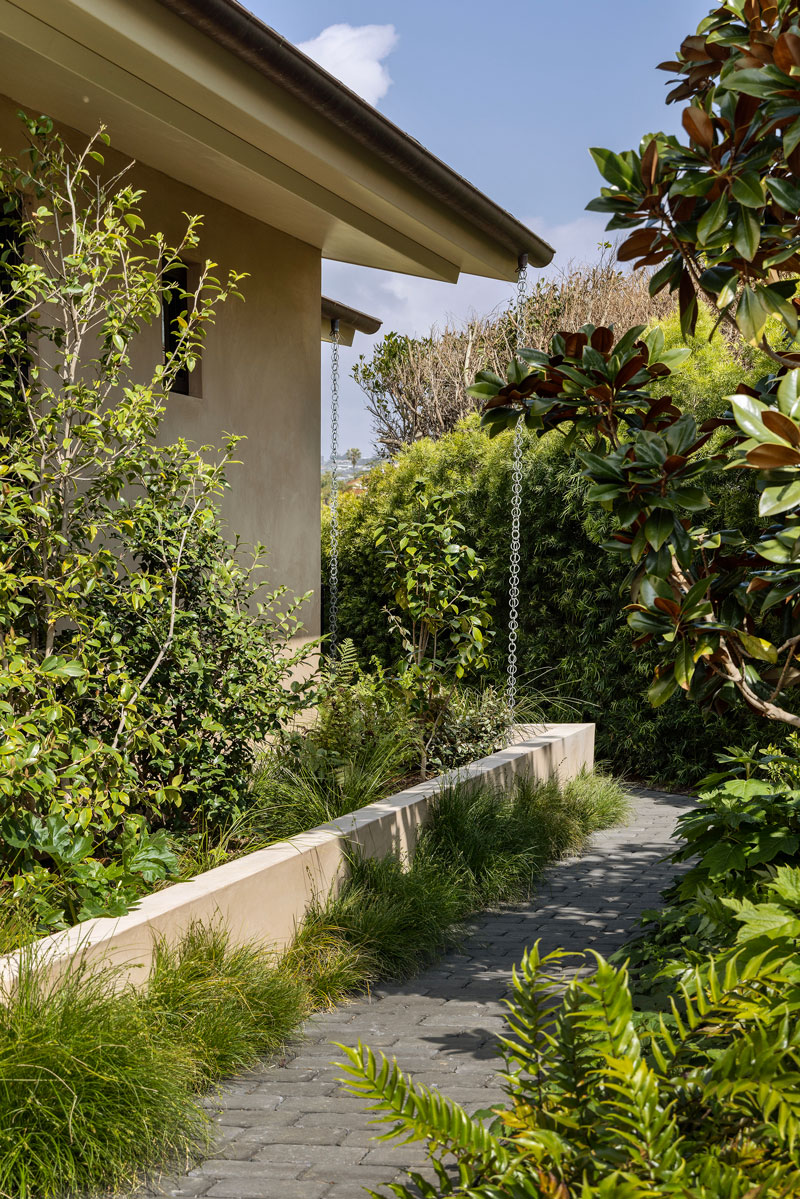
264,895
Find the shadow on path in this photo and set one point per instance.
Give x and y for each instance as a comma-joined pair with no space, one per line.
286,1129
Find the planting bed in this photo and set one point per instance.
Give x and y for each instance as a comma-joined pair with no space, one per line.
264,896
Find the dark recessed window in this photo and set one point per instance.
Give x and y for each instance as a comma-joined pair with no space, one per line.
13,365
173,312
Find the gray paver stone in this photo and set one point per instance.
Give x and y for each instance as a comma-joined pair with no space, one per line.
287,1130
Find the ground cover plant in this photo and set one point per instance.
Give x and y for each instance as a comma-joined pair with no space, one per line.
99,1083
138,669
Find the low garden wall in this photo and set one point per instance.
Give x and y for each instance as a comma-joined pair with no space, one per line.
263,896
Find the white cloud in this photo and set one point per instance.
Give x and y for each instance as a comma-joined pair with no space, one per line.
355,54
573,241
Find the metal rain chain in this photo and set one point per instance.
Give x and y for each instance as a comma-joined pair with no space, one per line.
516,507
333,618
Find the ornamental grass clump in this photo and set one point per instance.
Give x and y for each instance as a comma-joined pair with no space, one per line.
498,843
229,1004
479,848
93,1090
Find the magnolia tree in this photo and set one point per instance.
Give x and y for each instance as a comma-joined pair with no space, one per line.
716,217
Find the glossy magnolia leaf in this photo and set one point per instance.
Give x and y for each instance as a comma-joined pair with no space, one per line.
779,499
780,424
774,549
652,588
789,394
490,377
748,189
746,233
535,357
658,527
698,125
773,457
758,647
773,301
661,688
604,493
747,413
752,83
785,192
484,391
667,275
727,292
713,219
791,139
684,665
654,340
517,371
751,316
694,499
613,168
675,358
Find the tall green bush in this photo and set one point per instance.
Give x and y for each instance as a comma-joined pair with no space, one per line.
571,616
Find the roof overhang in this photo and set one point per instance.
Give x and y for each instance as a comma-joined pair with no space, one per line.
206,93
346,320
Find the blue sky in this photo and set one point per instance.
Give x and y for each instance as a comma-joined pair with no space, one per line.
511,95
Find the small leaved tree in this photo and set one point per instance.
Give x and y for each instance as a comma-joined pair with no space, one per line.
135,667
719,217
442,614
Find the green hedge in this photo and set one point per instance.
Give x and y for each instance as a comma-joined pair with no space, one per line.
572,622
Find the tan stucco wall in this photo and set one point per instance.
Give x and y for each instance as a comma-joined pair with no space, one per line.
260,371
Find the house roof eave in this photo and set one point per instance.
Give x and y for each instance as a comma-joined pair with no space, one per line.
241,33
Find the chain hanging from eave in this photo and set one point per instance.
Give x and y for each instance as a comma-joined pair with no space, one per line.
333,582
516,505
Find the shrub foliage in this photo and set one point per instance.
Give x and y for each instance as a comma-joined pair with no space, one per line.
137,665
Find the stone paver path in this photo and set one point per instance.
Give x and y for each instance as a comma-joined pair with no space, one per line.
286,1129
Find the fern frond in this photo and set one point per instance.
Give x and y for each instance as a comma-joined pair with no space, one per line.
533,1014
418,1113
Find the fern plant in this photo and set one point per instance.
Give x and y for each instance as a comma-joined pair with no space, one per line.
707,1106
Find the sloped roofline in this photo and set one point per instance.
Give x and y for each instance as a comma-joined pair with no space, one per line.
241,33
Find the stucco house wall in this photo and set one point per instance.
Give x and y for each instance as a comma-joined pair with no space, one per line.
260,371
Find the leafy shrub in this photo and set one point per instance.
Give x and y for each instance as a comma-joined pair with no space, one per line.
76,883
571,614
436,609
745,829
358,706
475,723
138,667
703,1107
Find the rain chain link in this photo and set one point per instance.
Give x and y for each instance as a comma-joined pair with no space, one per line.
516,506
333,618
